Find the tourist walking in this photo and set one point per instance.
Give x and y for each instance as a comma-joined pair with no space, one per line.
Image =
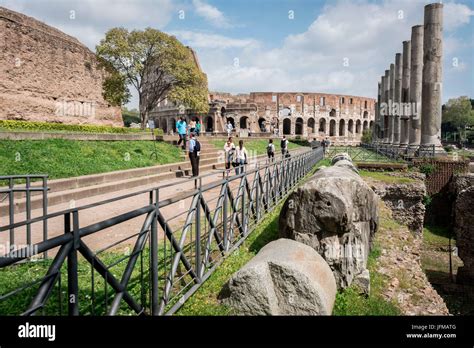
284,146
229,152
229,128
181,130
194,153
323,143
241,157
198,127
192,126
271,150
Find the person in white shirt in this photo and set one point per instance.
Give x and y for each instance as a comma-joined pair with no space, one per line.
240,157
229,149
229,128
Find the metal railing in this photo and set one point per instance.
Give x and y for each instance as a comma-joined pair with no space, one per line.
181,238
406,153
18,189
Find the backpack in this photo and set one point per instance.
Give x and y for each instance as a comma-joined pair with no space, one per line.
269,149
197,146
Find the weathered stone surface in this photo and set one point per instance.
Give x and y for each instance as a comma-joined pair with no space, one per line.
362,282
464,226
284,278
405,201
336,213
49,76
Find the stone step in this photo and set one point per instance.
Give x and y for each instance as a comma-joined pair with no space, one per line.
62,196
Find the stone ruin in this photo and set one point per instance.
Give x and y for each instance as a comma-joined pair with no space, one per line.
49,76
336,213
326,228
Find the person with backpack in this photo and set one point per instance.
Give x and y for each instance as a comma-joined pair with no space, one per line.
229,152
181,130
284,147
194,153
241,157
271,150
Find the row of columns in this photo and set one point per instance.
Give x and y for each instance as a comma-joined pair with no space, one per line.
408,109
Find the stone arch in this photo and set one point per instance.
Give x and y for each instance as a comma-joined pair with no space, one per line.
262,124
350,127
164,125
173,124
299,126
332,113
209,124
322,125
342,130
231,120
366,114
358,127
223,111
311,125
332,128
287,126
365,125
244,122
371,124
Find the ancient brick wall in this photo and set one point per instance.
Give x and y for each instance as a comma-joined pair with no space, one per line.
49,76
443,171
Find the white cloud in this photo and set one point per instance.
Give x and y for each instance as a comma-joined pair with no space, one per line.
210,40
456,15
211,14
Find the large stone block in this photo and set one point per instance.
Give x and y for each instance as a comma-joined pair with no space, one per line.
284,278
336,213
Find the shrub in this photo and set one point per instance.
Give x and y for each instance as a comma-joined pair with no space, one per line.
12,125
427,168
366,136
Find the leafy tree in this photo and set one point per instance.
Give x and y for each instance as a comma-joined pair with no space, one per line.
458,114
157,65
366,136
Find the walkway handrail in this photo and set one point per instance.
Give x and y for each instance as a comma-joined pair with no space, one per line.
194,242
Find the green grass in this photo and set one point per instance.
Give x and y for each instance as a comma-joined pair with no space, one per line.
255,146
60,158
437,237
359,154
205,300
350,302
389,179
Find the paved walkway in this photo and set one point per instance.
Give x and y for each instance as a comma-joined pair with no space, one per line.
100,213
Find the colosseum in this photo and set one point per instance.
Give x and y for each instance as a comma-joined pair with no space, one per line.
342,118
49,76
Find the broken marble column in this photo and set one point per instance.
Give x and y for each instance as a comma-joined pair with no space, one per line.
376,130
416,74
431,94
405,94
397,98
391,125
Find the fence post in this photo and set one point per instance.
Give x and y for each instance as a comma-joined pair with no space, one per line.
155,308
197,216
72,281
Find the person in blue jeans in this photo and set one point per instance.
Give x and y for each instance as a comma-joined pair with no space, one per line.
181,129
240,157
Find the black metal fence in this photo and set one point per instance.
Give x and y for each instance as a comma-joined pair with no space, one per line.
406,153
18,189
183,233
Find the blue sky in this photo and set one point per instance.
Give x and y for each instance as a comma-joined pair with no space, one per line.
333,46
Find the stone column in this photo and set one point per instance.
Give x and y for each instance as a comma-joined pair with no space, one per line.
416,74
376,130
386,116
397,98
431,93
391,94
405,93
